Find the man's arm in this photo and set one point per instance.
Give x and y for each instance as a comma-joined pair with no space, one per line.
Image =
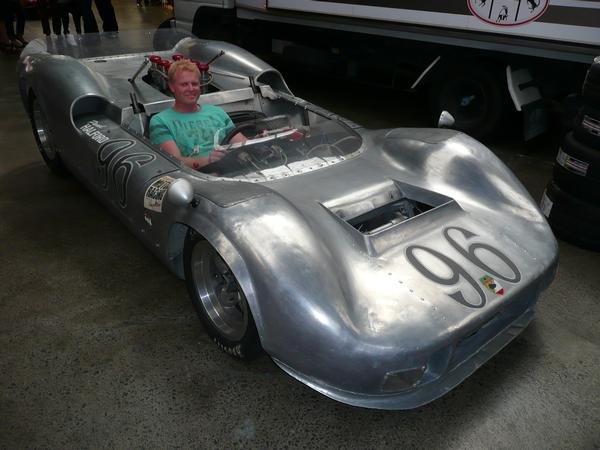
238,138
195,163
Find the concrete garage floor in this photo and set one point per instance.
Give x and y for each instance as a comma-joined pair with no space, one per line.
101,348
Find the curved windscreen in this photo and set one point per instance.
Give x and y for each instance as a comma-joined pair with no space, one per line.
277,149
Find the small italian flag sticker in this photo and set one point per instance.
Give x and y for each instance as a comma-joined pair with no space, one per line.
492,285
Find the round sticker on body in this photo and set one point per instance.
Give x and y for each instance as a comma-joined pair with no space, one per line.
508,12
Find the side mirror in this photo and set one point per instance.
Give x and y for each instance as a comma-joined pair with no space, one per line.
181,192
446,120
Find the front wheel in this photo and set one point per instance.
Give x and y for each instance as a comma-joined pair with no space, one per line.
219,300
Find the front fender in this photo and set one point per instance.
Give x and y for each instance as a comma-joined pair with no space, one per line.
273,251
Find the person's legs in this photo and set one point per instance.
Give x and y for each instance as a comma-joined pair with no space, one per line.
74,10
56,17
89,20
9,15
43,8
107,14
20,15
4,41
64,17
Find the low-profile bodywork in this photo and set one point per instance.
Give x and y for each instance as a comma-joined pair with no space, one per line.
379,267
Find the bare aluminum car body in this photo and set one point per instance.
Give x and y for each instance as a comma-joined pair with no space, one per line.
381,267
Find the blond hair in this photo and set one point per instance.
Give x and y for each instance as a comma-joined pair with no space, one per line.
180,66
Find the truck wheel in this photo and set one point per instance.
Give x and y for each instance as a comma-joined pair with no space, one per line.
214,23
219,300
572,220
44,139
474,96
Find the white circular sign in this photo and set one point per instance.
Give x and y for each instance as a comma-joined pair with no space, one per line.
508,12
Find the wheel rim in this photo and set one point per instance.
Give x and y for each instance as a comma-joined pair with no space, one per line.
42,132
219,293
468,101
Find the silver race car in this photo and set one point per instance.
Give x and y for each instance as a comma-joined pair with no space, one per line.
379,267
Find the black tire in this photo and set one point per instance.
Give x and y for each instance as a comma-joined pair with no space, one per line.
584,153
591,85
214,23
219,300
474,96
572,220
44,139
587,130
584,188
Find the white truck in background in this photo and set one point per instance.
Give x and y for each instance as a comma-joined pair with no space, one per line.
475,57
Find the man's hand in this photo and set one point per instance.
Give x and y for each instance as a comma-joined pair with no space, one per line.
217,154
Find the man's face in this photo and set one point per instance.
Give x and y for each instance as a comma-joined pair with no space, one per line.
186,88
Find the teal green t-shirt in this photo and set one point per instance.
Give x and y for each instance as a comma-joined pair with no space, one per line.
194,133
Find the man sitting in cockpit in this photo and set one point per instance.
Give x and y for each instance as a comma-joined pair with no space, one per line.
188,130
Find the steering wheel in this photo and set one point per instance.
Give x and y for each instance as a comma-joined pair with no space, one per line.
238,129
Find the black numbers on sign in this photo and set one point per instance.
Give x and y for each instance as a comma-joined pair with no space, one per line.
457,271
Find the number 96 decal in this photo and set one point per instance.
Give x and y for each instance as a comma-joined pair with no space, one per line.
457,271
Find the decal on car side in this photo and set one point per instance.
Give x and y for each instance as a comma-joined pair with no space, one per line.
115,165
488,279
155,194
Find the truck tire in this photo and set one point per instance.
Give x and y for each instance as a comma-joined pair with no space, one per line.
587,130
591,86
572,220
214,23
474,96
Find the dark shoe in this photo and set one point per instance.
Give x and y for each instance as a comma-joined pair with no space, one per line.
21,39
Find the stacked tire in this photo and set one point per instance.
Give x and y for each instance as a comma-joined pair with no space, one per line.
571,201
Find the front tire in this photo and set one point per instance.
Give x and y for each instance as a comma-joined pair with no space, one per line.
219,300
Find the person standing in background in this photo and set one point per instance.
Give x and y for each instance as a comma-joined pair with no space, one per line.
45,10
13,10
107,14
89,20
62,8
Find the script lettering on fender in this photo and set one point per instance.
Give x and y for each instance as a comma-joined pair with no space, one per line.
91,129
115,165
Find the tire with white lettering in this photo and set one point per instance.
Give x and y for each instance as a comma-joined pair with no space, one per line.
577,169
573,220
44,139
473,94
219,300
587,129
